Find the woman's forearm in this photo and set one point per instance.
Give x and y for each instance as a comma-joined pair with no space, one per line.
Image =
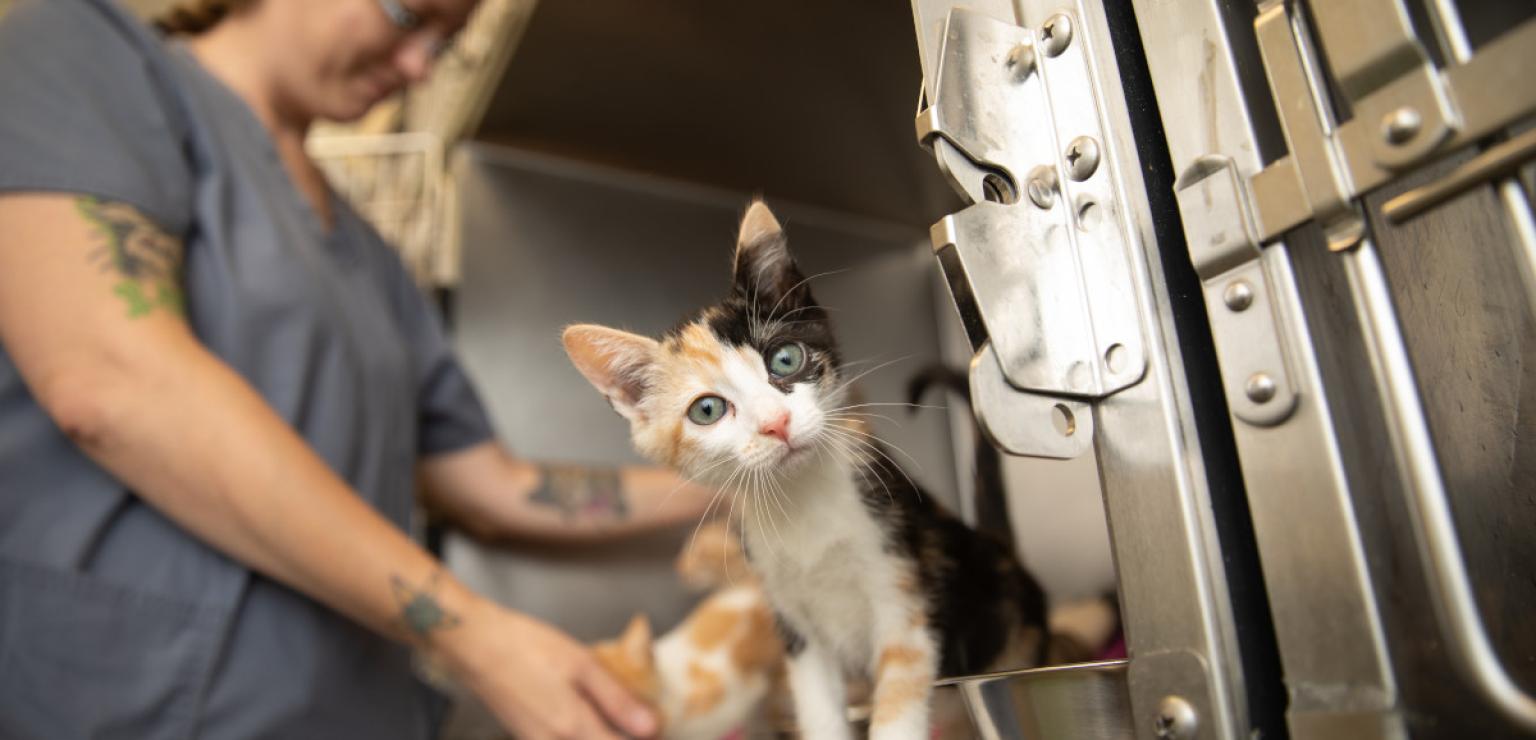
196,442
496,497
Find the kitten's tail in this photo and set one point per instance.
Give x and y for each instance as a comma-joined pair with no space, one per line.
987,464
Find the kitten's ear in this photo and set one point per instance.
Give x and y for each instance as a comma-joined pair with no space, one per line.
617,363
764,268
636,642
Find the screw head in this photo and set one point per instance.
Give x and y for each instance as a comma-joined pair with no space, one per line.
1082,158
1400,126
1042,186
1238,295
1056,34
1021,60
1260,387
1176,719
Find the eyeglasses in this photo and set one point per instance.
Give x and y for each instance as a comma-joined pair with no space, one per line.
409,22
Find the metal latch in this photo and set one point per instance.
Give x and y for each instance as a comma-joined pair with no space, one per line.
1039,264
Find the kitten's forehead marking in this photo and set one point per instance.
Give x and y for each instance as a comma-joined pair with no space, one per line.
698,345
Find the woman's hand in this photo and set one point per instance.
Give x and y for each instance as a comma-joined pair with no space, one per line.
538,681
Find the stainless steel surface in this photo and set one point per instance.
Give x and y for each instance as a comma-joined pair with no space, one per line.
1336,667
1078,702
1050,284
1238,295
1451,591
1498,161
1173,588
1295,87
1082,158
1458,375
1401,125
1224,252
1023,423
1176,719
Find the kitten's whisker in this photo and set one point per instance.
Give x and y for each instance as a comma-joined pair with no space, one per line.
690,479
692,539
803,281
858,417
876,448
888,403
870,446
877,438
849,382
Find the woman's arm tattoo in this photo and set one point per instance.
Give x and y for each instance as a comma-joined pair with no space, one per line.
419,611
145,260
577,492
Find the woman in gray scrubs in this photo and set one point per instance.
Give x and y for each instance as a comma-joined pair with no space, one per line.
217,386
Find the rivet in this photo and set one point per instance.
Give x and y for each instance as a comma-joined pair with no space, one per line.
1176,719
1042,186
1057,34
1260,387
1238,295
1082,158
1400,126
1022,61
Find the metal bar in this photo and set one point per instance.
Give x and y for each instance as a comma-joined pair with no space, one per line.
1501,160
1369,42
1489,92
1307,127
1332,649
1435,529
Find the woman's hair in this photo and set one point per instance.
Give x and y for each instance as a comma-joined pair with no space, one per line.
192,17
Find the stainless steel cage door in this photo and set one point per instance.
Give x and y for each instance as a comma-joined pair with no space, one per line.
1276,264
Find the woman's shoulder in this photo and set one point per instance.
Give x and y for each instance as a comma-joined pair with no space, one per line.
84,31
89,107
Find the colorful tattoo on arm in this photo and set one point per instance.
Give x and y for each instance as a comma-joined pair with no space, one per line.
581,493
145,260
419,611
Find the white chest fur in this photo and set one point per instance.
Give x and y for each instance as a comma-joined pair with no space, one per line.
826,569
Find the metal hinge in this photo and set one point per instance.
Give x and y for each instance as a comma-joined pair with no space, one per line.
1039,263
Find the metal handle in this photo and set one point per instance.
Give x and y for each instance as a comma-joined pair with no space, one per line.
1449,590
1500,160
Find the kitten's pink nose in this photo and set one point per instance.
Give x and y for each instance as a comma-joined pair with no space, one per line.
777,427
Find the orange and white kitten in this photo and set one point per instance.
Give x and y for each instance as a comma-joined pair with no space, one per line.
709,676
867,576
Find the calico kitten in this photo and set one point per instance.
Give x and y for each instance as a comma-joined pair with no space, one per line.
866,574
711,674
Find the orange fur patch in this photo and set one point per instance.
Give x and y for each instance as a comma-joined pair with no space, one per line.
759,647
894,695
698,345
640,680
711,625
708,689
896,657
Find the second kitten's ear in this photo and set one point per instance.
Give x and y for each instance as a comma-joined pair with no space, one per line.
636,641
764,268
617,363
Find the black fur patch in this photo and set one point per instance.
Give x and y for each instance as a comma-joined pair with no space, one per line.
978,594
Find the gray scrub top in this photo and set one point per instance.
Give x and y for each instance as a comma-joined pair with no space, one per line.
113,621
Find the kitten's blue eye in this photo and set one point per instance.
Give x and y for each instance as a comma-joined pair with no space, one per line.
786,360
706,410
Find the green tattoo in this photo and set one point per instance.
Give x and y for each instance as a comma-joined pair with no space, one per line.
146,261
581,492
419,611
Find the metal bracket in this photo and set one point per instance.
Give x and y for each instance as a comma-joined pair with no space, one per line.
1406,112
1244,322
1039,264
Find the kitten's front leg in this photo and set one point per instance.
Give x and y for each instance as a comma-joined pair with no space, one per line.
816,683
906,665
